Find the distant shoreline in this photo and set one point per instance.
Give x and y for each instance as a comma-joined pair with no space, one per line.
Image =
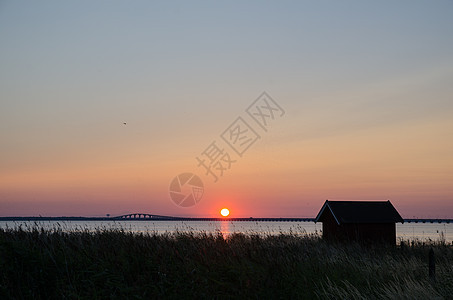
169,218
160,218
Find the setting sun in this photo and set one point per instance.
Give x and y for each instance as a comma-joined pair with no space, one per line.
225,212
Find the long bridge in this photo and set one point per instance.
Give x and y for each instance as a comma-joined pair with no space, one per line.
139,217
448,221
151,217
168,218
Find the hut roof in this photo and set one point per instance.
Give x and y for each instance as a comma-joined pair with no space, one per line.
360,212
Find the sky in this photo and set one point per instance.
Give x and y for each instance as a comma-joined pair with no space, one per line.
365,90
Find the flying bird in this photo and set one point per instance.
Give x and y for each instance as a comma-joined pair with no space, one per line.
124,123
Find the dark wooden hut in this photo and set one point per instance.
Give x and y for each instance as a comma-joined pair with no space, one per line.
361,221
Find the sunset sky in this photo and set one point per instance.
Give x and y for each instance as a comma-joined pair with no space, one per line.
366,87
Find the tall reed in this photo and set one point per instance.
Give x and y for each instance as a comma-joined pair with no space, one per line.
116,263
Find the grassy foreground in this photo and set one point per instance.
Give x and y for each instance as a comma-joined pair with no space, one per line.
41,264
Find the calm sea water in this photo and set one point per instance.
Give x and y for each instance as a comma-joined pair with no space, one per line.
407,231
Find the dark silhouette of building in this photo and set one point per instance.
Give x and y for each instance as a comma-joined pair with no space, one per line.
361,221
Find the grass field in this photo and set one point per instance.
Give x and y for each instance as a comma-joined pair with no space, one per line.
116,264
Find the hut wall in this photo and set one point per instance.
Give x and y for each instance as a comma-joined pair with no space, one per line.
360,232
368,232
330,228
